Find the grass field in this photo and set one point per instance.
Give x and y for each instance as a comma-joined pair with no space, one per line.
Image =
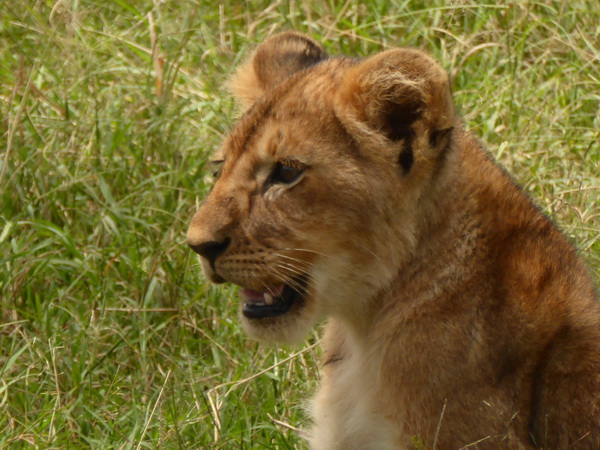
109,336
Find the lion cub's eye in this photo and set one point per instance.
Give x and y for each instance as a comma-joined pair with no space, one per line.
287,171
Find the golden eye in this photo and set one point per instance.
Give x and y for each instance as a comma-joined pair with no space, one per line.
287,172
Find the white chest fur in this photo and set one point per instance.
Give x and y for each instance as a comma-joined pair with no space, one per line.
345,411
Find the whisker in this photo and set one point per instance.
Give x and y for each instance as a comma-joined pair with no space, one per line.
303,288
291,281
283,278
305,250
292,258
294,270
307,284
298,264
262,282
375,255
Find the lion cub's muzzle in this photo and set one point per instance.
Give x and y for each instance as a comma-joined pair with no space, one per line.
262,296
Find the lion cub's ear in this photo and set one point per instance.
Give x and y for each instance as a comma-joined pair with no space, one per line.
398,96
273,61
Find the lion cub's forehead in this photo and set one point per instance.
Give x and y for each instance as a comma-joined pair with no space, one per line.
276,123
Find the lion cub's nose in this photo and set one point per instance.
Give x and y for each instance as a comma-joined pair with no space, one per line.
210,250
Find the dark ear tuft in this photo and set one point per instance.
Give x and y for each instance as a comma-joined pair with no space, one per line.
407,156
276,59
399,128
440,138
398,118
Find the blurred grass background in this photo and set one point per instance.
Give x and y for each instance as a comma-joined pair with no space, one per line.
109,336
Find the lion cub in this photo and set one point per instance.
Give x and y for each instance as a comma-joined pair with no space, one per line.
458,315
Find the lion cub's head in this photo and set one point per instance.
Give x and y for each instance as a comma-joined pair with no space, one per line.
317,206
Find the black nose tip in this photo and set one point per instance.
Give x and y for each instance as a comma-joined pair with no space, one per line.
211,250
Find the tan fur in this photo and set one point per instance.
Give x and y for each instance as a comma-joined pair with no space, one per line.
457,313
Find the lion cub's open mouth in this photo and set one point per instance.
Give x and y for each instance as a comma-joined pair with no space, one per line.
272,302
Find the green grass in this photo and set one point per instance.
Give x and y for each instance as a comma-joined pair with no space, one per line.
109,336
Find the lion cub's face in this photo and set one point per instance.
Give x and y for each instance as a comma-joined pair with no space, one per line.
313,210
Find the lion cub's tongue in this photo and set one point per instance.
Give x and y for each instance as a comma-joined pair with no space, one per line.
262,297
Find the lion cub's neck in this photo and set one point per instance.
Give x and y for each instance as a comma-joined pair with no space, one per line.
446,238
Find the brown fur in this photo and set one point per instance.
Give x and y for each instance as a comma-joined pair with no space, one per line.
458,313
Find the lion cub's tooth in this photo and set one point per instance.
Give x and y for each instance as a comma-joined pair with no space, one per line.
268,298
